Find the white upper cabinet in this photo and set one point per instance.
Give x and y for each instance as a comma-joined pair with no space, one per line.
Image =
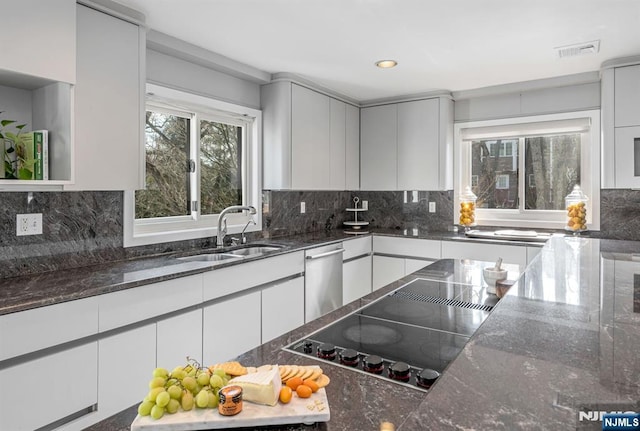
39,40
310,140
407,146
108,103
378,147
621,127
627,96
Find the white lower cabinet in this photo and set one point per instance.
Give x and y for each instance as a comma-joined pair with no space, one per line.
126,360
413,265
282,308
513,254
356,279
64,383
179,337
386,270
231,327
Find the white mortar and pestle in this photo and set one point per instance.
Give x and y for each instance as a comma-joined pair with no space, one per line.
493,275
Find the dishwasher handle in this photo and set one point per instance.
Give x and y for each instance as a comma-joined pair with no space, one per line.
329,253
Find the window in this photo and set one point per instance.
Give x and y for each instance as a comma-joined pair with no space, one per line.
201,156
521,169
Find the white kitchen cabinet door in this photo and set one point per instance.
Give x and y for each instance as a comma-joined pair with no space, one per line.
627,157
39,39
413,265
310,138
418,145
282,308
356,279
126,363
387,270
407,247
108,103
337,145
231,327
627,96
64,383
513,254
179,337
378,147
352,156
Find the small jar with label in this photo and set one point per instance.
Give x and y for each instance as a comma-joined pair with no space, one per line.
576,205
230,400
468,208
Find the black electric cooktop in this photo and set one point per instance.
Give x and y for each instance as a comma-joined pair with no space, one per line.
410,335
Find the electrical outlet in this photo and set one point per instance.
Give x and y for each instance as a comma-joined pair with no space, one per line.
28,224
365,205
303,208
432,207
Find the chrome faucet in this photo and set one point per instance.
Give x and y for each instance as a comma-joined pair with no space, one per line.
222,220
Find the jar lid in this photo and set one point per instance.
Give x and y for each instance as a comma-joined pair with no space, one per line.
576,194
468,195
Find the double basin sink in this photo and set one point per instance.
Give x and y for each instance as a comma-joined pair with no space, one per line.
231,254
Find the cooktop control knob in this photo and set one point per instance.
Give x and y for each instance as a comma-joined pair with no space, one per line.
327,351
349,357
426,378
373,364
400,371
308,347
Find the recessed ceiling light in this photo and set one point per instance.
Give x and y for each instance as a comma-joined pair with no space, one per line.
386,64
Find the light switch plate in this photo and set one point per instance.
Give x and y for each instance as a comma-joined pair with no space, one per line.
432,207
303,208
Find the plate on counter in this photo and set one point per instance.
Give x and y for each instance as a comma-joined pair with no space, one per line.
298,410
511,234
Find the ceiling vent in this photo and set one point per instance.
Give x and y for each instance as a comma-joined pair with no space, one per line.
578,49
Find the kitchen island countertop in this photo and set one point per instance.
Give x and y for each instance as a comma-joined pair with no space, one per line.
563,340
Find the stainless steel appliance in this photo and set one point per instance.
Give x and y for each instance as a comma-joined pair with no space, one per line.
411,334
322,280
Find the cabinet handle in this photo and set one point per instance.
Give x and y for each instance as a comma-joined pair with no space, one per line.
329,253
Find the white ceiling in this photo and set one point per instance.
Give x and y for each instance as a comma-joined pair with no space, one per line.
439,44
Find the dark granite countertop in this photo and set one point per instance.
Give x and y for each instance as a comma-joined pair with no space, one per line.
32,291
563,340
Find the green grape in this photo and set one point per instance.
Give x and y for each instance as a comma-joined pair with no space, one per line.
160,372
213,400
176,369
153,394
216,381
219,372
202,399
187,401
163,399
178,373
191,372
225,380
203,378
172,381
175,392
189,383
157,382
157,412
144,409
173,406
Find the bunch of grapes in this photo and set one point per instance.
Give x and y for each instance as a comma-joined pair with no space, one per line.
183,388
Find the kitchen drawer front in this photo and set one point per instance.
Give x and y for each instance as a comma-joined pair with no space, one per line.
225,281
64,383
485,252
144,302
427,248
356,247
39,328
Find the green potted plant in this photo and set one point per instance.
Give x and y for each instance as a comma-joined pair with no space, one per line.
9,139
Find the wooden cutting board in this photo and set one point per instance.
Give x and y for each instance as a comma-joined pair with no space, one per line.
299,410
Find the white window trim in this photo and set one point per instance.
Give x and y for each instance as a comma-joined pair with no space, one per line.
590,175
154,231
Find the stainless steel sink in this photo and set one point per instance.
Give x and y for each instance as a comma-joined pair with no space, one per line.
253,250
210,257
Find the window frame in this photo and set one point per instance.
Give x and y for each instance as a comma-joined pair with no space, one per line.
166,229
527,218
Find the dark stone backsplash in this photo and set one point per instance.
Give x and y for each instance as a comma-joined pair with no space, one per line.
85,228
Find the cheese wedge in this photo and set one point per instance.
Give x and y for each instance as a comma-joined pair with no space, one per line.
262,387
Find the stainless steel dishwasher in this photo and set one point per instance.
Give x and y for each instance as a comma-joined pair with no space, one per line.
322,280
